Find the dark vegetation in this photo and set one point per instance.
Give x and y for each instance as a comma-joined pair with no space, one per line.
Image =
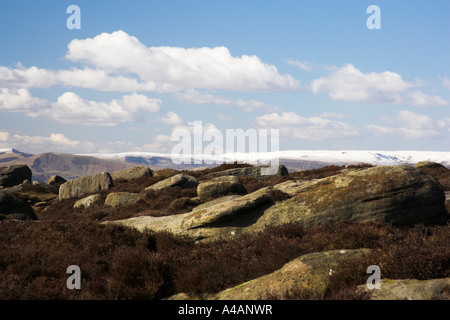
121,263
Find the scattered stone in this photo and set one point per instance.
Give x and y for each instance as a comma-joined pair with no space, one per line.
220,186
12,207
165,173
87,201
181,180
56,180
132,173
411,289
85,185
14,175
123,199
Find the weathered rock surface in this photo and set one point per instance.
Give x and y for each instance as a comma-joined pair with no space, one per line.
165,172
204,222
12,207
180,180
308,274
254,172
56,180
123,199
401,195
428,164
87,201
411,289
220,186
14,175
132,173
84,185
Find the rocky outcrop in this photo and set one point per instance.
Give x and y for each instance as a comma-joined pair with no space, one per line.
85,185
12,207
257,172
165,173
14,175
132,173
220,186
204,221
181,180
306,276
123,199
401,195
87,201
411,289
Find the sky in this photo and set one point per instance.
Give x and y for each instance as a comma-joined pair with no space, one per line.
137,71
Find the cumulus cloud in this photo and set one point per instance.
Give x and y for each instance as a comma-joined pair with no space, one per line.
20,100
56,142
305,66
174,68
172,119
71,108
295,126
350,84
407,124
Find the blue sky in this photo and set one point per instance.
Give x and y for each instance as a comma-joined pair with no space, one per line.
137,70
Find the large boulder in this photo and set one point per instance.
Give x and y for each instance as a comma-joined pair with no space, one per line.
56,180
205,221
123,199
181,180
86,202
14,175
85,185
428,164
257,172
411,289
220,186
306,276
401,195
12,207
132,173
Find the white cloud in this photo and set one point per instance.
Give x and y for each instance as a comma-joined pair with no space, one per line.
407,124
56,142
292,125
223,117
19,100
445,82
172,119
350,84
174,68
71,108
305,66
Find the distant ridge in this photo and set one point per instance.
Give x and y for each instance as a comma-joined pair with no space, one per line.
71,166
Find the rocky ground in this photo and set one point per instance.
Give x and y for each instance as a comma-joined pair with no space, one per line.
227,233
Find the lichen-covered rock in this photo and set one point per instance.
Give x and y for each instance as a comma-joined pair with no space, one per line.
165,173
12,207
181,180
87,201
85,185
123,199
309,275
220,186
411,289
428,164
14,175
401,195
204,222
257,172
132,173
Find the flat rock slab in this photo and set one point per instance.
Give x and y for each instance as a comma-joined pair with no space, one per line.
132,173
181,180
123,199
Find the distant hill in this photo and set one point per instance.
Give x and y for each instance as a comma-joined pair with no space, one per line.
71,166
